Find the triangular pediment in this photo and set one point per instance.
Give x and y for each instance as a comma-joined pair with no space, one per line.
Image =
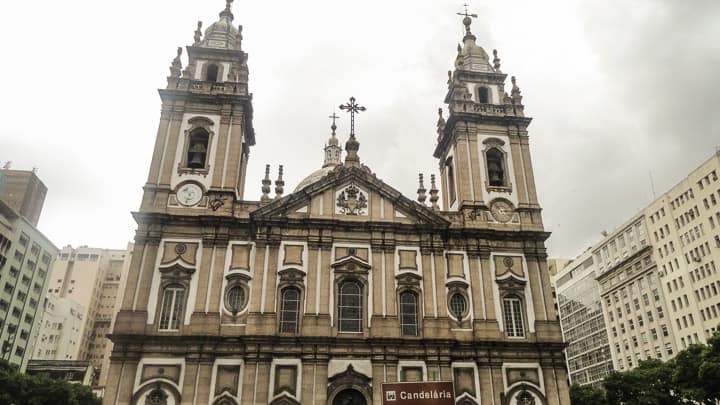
351,264
353,194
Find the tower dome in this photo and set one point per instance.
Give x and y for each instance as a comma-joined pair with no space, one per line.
222,34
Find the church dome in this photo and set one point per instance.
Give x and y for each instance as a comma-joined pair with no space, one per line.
222,34
314,177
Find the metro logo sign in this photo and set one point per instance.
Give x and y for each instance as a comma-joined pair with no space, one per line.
418,393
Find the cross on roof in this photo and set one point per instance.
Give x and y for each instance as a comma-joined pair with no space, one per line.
334,117
466,12
353,108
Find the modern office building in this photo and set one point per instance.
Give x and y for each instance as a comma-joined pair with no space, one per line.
112,289
81,301
26,257
582,320
632,298
684,227
24,192
658,272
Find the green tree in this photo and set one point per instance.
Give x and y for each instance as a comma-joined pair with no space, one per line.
17,388
587,395
686,370
648,384
709,369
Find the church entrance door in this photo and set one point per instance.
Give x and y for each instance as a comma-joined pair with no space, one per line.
349,397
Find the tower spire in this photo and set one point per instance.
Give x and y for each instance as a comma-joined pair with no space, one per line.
467,21
332,148
228,10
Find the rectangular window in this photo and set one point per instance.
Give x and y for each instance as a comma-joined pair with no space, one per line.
350,307
172,305
513,317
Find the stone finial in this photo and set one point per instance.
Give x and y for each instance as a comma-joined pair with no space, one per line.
266,185
176,67
421,190
433,194
279,184
198,33
441,119
228,10
496,60
515,93
459,48
449,77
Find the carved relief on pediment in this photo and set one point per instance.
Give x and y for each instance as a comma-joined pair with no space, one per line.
351,200
291,276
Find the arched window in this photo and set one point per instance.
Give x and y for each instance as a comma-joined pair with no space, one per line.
197,148
289,310
173,301
483,95
409,313
496,167
450,179
350,307
212,73
512,313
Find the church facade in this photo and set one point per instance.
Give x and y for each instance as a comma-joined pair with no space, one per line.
321,295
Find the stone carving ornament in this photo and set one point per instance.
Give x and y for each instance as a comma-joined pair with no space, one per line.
352,201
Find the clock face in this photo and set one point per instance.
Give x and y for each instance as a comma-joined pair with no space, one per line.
189,194
501,211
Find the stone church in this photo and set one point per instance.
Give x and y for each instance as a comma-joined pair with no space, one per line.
321,295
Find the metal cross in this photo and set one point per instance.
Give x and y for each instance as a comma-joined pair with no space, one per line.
352,108
334,117
466,12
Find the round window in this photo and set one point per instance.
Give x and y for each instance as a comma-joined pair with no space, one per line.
458,305
235,299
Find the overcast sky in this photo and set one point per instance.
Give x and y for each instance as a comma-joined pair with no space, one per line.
617,90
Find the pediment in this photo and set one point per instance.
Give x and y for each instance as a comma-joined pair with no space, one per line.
351,264
353,194
511,282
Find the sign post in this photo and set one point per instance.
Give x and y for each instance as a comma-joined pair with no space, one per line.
418,393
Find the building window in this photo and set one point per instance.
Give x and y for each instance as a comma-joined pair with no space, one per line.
409,313
350,307
173,300
197,148
450,179
512,310
235,299
156,397
495,167
212,73
458,306
483,95
289,310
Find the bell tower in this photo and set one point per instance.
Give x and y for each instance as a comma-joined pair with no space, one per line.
205,132
482,146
